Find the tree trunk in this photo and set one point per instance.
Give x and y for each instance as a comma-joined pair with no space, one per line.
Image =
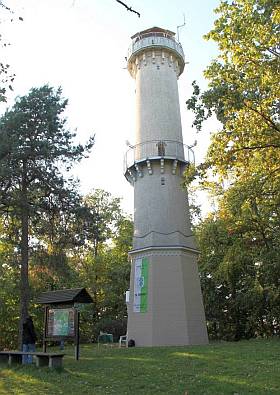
24,283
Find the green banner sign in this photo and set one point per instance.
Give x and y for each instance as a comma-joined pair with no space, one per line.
141,274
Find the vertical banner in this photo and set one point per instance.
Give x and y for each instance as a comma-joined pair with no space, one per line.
140,302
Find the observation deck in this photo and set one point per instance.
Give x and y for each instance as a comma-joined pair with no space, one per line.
143,154
156,39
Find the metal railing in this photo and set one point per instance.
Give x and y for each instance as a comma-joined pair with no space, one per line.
155,149
155,41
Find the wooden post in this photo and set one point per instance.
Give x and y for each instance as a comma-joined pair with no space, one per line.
45,329
77,334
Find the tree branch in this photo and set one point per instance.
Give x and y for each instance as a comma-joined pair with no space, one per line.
128,8
267,119
273,52
255,147
4,6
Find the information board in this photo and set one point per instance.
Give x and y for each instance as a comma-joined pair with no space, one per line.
61,322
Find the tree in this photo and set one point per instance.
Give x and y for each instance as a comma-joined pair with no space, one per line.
9,284
114,309
243,88
98,218
101,260
37,151
241,299
242,164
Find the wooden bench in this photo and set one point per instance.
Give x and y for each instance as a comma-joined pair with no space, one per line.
52,360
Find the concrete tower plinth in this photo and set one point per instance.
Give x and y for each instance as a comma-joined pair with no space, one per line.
165,306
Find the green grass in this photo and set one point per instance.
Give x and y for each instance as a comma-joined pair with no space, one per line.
247,367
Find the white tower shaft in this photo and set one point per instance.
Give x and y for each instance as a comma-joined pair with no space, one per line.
166,305
157,99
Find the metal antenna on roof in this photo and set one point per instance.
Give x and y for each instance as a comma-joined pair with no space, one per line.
178,27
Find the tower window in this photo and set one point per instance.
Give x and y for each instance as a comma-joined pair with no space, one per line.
162,181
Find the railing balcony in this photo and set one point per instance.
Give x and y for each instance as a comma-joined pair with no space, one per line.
155,41
157,149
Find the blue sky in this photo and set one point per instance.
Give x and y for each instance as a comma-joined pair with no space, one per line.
81,45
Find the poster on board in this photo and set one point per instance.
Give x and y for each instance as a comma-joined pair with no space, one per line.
61,322
140,301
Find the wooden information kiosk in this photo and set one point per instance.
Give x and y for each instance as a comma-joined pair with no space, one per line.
62,316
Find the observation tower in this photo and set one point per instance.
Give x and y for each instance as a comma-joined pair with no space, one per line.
165,306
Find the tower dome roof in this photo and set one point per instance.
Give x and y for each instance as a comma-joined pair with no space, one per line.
154,30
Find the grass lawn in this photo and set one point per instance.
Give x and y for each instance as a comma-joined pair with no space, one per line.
247,367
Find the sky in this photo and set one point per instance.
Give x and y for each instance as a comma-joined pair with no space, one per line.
81,46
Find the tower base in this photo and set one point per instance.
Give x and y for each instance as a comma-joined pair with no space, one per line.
165,307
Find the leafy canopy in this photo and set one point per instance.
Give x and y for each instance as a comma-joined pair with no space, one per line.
243,87
36,144
36,152
240,242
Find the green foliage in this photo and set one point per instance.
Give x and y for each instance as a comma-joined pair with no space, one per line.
9,291
239,243
243,88
63,256
98,219
102,262
239,264
36,148
244,79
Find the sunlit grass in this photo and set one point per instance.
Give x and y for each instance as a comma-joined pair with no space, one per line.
249,367
191,355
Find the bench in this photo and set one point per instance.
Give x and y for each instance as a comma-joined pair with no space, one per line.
52,360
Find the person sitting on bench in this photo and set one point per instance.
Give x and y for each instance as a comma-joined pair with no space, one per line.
28,339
